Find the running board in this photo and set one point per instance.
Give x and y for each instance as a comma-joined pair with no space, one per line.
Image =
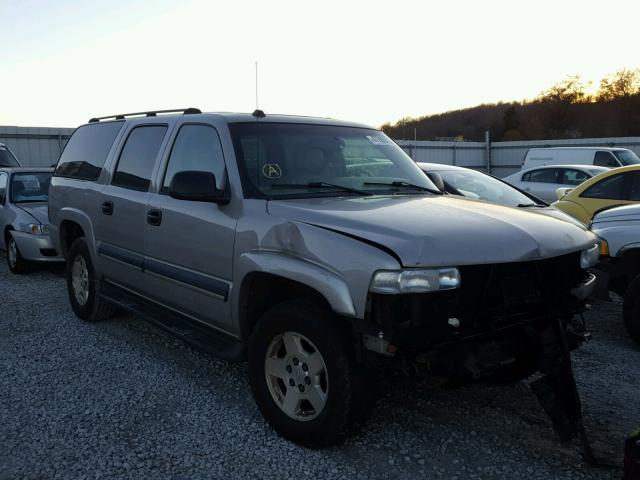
198,335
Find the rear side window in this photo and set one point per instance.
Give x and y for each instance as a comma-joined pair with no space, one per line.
605,159
87,150
138,157
3,187
611,188
197,147
573,177
545,175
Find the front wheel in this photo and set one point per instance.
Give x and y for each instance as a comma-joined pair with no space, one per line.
631,309
82,285
17,264
303,377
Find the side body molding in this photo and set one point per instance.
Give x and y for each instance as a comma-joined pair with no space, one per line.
330,284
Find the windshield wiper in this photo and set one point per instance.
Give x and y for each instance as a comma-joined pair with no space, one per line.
402,183
319,185
528,205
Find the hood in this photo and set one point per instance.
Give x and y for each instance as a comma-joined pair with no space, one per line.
440,231
626,213
559,214
38,211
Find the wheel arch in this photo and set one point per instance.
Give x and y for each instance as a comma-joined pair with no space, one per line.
270,279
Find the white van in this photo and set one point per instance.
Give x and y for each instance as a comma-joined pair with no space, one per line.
601,156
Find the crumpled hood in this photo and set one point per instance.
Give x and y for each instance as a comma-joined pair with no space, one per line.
442,230
38,211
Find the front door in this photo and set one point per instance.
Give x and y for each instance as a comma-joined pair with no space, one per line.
123,204
189,244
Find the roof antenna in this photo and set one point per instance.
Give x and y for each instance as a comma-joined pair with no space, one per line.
257,112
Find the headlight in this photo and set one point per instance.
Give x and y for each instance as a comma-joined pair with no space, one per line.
38,229
415,281
604,248
589,257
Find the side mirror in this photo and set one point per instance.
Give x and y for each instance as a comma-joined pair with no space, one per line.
437,180
562,191
196,186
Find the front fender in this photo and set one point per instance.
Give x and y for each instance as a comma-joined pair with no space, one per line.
329,284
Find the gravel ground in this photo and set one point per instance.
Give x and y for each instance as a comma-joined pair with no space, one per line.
121,399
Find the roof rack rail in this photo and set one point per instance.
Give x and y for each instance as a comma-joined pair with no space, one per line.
121,116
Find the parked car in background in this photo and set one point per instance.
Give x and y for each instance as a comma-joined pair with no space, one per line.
23,217
593,156
7,158
619,186
619,266
477,185
543,181
252,236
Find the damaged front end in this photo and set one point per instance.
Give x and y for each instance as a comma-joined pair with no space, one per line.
502,321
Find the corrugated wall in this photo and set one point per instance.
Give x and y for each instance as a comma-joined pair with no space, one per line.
35,146
506,157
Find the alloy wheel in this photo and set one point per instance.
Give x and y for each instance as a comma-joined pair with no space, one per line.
80,280
296,375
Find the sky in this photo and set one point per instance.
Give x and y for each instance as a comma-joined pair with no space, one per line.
370,61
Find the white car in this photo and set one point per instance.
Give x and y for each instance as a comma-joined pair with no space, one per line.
598,156
542,182
619,266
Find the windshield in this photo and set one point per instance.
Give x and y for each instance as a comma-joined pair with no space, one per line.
627,157
6,158
30,187
279,160
470,183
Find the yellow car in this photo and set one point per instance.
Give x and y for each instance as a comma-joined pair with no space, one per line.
618,186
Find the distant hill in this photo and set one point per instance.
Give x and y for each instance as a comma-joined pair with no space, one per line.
563,111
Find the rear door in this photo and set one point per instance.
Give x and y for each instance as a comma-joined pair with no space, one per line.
572,177
123,204
189,244
542,183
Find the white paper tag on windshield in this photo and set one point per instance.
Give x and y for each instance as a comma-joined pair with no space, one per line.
379,140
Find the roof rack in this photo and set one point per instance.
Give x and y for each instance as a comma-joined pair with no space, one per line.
121,116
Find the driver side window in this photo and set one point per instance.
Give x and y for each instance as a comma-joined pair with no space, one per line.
611,188
605,159
196,147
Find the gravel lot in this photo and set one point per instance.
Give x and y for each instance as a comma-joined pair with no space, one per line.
121,399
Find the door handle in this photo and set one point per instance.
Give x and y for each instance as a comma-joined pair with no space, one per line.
107,208
154,217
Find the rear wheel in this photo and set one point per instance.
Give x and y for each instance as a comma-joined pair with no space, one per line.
17,264
303,377
631,309
83,286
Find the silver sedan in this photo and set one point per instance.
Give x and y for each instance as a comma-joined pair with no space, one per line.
24,222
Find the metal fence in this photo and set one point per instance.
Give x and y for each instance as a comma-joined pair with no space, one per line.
500,158
35,146
39,147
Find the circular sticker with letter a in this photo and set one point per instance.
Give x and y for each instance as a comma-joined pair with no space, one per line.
271,170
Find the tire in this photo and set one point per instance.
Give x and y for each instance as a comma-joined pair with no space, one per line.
314,330
631,309
83,294
17,264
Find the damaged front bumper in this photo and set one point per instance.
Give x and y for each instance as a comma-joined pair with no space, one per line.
494,320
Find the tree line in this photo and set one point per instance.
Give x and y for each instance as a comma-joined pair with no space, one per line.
565,110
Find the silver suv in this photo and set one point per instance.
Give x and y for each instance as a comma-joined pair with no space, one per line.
316,250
